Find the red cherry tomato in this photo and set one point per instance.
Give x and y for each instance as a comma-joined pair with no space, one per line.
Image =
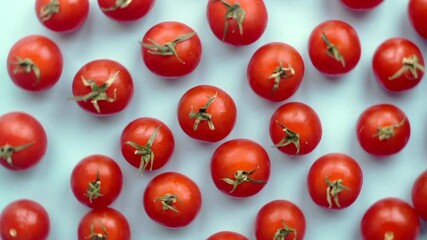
383,129
171,49
62,15
334,48
295,128
398,65
35,63
24,220
104,223
275,71
334,181
23,141
361,5
96,181
103,87
227,235
125,11
237,22
147,144
419,195
417,16
240,168
172,199
280,219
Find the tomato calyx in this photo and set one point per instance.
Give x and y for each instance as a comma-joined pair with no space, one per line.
202,114
333,190
98,92
410,64
94,188
279,73
119,4
48,10
97,236
167,202
26,65
333,50
169,48
290,138
387,132
147,154
236,13
241,176
389,235
282,233
7,151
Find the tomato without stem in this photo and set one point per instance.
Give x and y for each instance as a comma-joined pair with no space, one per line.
417,16
419,195
24,219
361,5
227,235
275,71
125,11
104,223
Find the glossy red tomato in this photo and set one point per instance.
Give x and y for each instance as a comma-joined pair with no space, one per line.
275,71
23,141
398,65
295,128
35,63
96,181
280,219
147,143
62,15
125,11
227,235
104,223
361,5
390,218
172,199
240,168
334,181
419,195
171,49
24,219
207,113
383,129
334,48
103,87
237,22
417,16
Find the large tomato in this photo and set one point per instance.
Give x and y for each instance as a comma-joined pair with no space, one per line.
295,128
334,48
172,199
227,235
237,22
334,181
240,167
96,181
62,15
24,219
23,141
103,87
361,5
125,10
104,223
207,113
171,49
390,219
419,195
417,16
383,129
398,65
147,143
275,71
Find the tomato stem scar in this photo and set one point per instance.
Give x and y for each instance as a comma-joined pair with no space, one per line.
333,50
7,151
94,188
236,13
241,176
290,138
147,154
279,73
202,114
387,132
333,190
98,236
26,65
167,201
410,64
48,10
283,232
119,4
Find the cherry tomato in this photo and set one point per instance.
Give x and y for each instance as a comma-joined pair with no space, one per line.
147,144
275,71
172,199
103,87
96,181
334,181
23,141
361,5
383,129
207,113
227,235
237,22
125,11
240,168
280,219
104,223
419,195
334,48
295,128
171,49
417,16
62,15
390,218
35,63
398,65
24,219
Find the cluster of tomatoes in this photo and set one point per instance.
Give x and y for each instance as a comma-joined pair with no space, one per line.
239,167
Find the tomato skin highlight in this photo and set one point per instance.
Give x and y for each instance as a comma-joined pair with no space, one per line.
136,9
419,195
417,16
